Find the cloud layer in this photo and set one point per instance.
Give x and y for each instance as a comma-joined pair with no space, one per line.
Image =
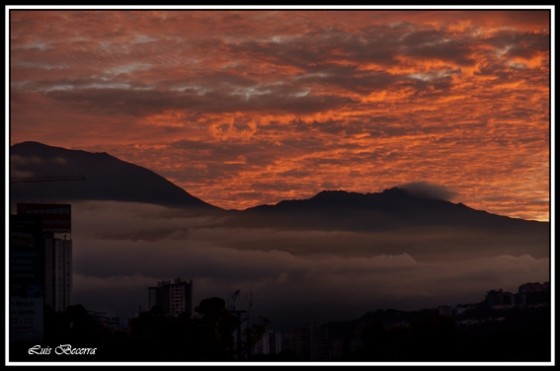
243,108
121,249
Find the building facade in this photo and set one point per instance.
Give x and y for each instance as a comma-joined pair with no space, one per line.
58,273
270,343
27,278
171,298
57,233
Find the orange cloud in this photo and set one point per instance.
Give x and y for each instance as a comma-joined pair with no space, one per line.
242,108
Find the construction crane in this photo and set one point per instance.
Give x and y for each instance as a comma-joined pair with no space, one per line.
67,178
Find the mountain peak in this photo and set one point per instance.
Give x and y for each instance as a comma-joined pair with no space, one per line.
38,149
395,207
31,145
397,191
106,178
330,193
392,193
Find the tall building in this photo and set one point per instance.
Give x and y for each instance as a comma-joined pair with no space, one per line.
27,278
533,294
58,273
500,299
309,342
269,343
171,298
57,233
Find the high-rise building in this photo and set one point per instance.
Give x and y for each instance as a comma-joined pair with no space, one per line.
269,343
309,342
27,278
171,298
57,233
58,273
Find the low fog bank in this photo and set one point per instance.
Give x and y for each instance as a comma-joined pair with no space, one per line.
120,249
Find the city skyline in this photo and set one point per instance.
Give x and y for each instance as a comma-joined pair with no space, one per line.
244,108
392,248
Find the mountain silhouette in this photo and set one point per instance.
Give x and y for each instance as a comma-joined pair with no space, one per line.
108,178
105,178
394,221
394,207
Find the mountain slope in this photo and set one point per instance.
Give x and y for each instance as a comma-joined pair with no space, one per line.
392,208
395,221
106,178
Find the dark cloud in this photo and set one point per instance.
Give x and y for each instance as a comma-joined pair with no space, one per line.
520,44
349,78
438,45
140,102
381,44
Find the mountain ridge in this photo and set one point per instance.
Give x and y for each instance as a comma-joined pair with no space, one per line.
106,178
395,201
396,205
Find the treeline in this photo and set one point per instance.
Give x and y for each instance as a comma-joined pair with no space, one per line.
516,335
150,337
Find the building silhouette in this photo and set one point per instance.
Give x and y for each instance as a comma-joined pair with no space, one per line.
57,242
270,343
27,278
500,299
171,299
529,294
309,342
533,294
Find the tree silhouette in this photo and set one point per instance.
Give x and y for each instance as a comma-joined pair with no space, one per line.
217,325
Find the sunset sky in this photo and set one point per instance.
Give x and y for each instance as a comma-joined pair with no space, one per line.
242,108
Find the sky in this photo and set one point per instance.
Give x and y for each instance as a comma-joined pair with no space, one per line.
242,108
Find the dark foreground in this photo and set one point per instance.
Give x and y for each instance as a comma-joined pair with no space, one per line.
478,334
